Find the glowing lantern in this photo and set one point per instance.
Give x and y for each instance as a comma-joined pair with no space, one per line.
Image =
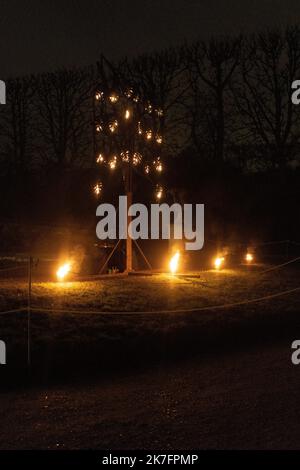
127,114
148,108
100,158
249,257
125,156
159,192
137,157
113,126
113,163
149,135
158,165
129,92
98,188
99,128
159,139
113,98
219,262
174,262
99,95
63,271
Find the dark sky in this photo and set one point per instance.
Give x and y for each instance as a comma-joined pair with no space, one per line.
41,35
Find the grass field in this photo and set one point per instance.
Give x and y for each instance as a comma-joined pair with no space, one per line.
219,378
61,340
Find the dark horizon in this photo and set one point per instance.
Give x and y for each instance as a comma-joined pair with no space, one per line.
29,44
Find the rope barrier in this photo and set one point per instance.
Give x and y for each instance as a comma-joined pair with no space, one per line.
17,310
12,268
188,310
280,265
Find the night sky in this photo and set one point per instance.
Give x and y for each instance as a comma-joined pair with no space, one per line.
42,35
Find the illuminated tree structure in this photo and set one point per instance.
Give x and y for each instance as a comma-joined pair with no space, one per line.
128,139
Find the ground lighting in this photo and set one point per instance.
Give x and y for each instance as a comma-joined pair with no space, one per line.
218,262
174,262
63,271
249,258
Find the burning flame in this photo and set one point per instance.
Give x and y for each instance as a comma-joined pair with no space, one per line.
249,257
218,262
174,262
63,271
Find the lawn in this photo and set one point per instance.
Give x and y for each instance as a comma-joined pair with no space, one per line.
88,339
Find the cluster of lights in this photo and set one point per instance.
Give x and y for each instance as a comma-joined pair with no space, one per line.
113,98
100,158
99,95
136,159
125,156
113,126
121,110
113,162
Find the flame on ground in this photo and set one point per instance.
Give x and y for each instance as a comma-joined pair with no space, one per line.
63,271
218,262
174,262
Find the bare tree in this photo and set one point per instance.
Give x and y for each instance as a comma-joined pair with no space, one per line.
211,66
160,78
271,61
16,127
64,116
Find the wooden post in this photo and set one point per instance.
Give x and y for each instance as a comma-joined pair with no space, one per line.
29,312
129,202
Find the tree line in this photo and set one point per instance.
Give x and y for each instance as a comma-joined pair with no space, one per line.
225,100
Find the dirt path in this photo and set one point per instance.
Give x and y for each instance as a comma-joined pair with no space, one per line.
245,400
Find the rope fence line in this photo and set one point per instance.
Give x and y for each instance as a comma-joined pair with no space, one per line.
186,310
280,265
155,312
15,268
16,310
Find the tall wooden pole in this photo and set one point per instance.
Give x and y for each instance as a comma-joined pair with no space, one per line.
29,312
129,202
